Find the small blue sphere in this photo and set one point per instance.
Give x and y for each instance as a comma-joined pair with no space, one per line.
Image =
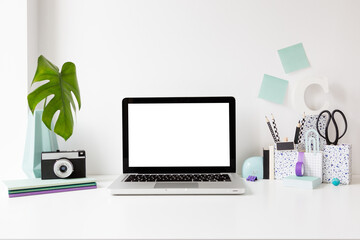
335,181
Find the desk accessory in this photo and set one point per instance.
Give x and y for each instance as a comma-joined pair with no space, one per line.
63,164
301,128
297,132
251,178
285,146
38,139
293,58
285,163
59,88
331,117
271,162
337,157
253,166
299,167
337,163
36,186
335,181
310,122
306,182
266,163
299,89
271,130
277,136
313,158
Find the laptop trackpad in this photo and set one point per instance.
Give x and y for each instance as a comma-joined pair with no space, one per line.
176,185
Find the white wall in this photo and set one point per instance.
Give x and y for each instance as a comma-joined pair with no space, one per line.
13,90
199,48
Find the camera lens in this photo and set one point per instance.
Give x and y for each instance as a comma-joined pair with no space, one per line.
63,168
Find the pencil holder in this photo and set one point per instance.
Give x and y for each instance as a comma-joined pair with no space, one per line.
310,123
312,157
337,163
285,162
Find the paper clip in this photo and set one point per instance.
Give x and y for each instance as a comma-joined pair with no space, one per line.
312,141
251,178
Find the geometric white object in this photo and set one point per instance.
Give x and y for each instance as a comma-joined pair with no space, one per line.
299,94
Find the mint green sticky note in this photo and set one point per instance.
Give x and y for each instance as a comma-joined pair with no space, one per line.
293,58
273,89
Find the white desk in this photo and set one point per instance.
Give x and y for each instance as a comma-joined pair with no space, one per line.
267,210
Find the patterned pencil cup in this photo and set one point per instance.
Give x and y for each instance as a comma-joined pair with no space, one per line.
38,139
310,123
313,157
285,162
337,163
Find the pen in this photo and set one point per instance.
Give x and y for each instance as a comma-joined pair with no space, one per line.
297,132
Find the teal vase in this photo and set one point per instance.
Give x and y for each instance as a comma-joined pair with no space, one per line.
38,139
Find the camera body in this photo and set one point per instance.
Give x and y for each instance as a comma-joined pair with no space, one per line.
63,164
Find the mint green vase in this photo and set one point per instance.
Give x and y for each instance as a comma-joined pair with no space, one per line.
38,139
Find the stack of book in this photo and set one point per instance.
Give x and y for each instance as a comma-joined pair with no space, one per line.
35,186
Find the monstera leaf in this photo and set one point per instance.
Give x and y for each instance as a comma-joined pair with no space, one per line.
59,85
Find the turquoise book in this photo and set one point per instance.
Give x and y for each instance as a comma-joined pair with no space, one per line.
306,182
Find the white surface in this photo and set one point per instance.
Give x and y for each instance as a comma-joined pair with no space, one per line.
267,210
179,135
13,90
199,48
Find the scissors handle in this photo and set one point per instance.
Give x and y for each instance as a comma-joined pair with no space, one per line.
331,118
345,121
326,137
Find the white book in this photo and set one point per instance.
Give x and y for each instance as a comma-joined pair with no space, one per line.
271,163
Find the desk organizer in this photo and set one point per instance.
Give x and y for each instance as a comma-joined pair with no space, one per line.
337,163
313,163
313,157
310,123
285,162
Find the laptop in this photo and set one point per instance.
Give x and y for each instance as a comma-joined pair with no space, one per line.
178,145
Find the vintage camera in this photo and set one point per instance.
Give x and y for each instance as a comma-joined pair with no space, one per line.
63,164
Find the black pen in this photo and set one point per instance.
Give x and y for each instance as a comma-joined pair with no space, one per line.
297,132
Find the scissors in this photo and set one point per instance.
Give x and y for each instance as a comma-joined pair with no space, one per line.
331,118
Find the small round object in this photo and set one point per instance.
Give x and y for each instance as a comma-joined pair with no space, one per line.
63,168
335,181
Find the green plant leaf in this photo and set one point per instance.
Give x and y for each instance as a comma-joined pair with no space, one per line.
60,85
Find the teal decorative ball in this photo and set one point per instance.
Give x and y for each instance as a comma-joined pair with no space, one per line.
253,166
335,181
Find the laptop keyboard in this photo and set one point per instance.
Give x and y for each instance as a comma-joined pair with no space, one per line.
178,178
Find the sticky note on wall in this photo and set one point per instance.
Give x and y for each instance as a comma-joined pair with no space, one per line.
293,58
273,89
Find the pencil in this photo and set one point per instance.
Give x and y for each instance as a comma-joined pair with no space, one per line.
270,128
301,128
297,132
277,136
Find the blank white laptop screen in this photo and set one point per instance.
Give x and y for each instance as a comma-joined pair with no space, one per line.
179,135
